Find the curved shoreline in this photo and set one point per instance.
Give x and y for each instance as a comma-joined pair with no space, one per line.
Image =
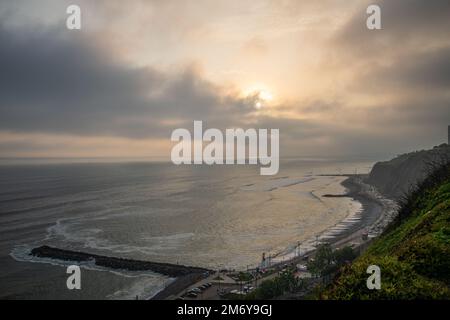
369,196
349,228
374,208
373,211
376,212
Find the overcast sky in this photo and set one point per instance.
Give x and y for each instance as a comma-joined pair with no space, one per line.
139,69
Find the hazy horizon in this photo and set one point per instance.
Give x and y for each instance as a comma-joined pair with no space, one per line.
164,159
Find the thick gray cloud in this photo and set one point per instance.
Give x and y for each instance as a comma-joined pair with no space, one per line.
405,65
423,70
405,24
58,82
55,82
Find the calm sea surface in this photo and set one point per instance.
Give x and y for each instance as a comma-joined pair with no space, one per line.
215,217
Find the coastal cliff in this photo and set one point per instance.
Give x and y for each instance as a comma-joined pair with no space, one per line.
414,252
395,178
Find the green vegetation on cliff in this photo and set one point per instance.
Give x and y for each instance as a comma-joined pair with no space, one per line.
413,254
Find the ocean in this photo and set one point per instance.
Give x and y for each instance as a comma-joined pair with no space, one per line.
209,216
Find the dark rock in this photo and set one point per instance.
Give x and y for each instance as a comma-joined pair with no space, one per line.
171,270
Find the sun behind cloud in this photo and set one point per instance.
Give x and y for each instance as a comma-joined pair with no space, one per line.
260,95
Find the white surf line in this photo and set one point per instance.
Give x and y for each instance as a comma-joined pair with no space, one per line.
335,233
331,233
353,218
340,227
350,221
325,237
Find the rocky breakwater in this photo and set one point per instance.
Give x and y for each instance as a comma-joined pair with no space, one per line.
168,269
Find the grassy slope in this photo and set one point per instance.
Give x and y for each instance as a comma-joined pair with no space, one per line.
414,256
